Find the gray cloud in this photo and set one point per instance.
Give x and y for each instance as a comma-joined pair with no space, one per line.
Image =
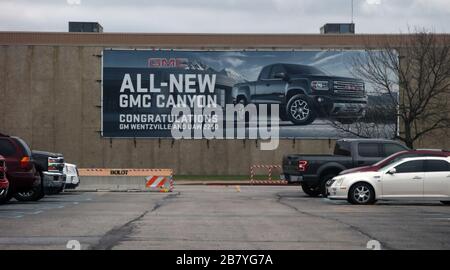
221,16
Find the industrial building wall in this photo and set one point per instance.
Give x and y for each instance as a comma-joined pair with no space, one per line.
50,96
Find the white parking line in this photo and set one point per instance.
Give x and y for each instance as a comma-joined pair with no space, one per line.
35,209
444,218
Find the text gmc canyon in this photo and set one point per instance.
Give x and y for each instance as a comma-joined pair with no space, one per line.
314,171
304,93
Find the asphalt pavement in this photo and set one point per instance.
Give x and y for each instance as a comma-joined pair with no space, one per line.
220,217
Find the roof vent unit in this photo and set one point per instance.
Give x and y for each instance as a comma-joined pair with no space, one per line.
90,27
338,28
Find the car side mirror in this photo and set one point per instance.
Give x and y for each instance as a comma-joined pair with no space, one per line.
281,75
392,171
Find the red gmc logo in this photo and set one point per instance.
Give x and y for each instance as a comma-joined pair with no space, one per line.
167,63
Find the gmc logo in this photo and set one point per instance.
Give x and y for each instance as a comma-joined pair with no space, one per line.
167,63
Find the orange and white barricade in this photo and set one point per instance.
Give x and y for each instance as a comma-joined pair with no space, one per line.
160,183
269,181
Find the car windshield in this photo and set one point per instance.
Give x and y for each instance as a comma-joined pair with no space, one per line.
393,162
390,159
303,70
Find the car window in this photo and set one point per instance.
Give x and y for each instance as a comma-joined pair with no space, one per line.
342,149
265,72
369,150
410,167
303,70
392,148
23,145
7,149
276,69
437,166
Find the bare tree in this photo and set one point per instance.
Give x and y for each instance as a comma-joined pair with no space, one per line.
419,65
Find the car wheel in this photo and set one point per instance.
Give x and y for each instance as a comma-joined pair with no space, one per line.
311,190
446,202
6,197
300,111
361,193
325,183
34,194
3,192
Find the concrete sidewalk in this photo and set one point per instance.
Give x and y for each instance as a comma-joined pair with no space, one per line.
137,184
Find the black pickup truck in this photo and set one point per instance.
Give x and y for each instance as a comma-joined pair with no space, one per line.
314,171
51,167
304,93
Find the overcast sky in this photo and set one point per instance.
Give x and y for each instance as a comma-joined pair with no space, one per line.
225,16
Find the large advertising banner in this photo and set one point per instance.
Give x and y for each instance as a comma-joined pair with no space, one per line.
316,94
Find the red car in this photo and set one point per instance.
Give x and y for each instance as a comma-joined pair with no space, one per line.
24,181
397,156
4,184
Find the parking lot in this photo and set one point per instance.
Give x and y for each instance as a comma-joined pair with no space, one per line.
219,217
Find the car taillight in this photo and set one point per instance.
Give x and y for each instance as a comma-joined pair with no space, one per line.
302,165
25,162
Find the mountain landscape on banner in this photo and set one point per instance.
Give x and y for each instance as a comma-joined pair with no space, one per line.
228,72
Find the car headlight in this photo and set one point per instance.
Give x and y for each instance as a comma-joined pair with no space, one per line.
320,85
339,181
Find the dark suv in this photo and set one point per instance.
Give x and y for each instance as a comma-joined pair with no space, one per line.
24,181
304,93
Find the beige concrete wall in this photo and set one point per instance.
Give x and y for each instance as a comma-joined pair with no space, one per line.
50,97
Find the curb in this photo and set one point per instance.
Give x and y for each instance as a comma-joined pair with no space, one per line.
187,183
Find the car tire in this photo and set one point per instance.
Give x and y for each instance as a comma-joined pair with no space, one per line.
5,198
311,190
282,114
34,194
361,193
56,191
325,183
446,202
300,111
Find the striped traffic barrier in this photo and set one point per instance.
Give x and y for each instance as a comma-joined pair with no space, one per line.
160,183
269,181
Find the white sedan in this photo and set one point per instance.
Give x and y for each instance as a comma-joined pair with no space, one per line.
419,178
